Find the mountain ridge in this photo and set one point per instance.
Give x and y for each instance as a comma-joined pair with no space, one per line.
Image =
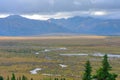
16,25
20,26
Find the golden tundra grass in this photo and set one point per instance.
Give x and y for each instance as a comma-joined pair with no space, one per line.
51,37
17,55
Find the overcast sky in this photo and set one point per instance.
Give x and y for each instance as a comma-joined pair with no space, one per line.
44,9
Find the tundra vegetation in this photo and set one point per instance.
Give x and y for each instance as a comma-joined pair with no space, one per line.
102,74
22,55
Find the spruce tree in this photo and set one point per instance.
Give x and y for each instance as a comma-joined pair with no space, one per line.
62,79
31,79
56,79
24,77
1,78
8,78
19,78
13,77
103,73
88,70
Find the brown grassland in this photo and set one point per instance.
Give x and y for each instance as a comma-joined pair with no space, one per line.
17,55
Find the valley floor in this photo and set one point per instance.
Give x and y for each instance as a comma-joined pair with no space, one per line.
56,56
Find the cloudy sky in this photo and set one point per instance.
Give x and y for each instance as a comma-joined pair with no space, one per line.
44,9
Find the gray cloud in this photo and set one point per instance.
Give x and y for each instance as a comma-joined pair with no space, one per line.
53,6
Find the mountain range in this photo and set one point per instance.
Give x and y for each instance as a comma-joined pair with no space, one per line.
16,25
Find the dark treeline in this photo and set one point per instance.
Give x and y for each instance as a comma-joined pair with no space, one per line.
103,73
13,77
